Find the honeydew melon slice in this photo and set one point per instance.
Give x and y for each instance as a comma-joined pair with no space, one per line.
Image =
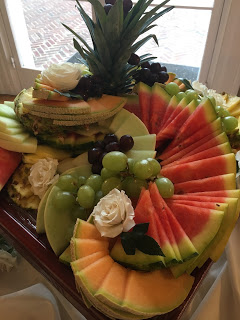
8,112
59,223
9,123
221,182
138,261
147,142
70,163
140,154
27,146
9,104
132,126
18,138
65,257
146,292
200,169
118,119
40,227
12,131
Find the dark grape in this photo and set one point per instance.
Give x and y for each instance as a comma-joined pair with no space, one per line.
134,59
163,68
107,8
96,79
164,76
155,67
146,65
110,1
127,5
94,154
97,167
99,144
112,146
126,143
144,74
102,156
84,83
110,137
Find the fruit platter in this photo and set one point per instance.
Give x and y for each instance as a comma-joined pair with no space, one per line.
118,178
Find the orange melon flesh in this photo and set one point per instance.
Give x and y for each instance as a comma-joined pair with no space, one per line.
155,292
113,287
84,262
92,276
85,230
83,247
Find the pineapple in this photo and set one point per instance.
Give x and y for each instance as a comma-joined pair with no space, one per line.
115,38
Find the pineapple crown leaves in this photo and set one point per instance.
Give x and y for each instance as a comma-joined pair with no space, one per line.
114,39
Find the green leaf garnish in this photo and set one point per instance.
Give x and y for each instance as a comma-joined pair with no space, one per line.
187,83
137,239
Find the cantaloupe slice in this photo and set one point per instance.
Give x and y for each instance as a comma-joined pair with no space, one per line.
81,248
85,230
155,292
84,262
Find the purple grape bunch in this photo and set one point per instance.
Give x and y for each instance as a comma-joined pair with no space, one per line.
108,144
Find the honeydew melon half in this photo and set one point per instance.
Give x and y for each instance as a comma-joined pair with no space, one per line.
118,119
138,155
59,223
29,145
132,126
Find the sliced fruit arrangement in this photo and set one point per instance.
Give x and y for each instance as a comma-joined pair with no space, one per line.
116,291
13,135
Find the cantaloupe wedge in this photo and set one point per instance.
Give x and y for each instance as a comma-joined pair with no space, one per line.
80,248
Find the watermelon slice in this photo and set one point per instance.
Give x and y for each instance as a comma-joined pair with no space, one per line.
201,169
208,129
205,113
181,105
144,94
221,182
178,238
219,150
172,128
9,161
146,213
198,146
159,102
173,103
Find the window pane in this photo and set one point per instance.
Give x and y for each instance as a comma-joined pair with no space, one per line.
50,41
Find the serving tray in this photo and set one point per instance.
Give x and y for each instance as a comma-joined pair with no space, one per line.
20,228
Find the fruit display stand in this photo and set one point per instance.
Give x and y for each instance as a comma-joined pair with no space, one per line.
20,228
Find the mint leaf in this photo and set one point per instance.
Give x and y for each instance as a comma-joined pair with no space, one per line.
187,83
149,246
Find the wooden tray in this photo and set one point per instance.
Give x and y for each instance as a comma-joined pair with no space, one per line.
20,228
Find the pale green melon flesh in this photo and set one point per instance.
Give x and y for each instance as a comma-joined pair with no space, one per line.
65,257
9,104
12,131
132,126
40,227
9,123
8,112
147,142
27,146
118,119
18,138
139,260
140,154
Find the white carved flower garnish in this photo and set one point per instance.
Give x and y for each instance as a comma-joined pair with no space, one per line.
64,76
42,175
202,89
113,214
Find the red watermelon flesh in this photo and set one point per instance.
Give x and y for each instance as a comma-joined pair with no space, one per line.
208,130
181,105
159,102
235,193
201,204
201,169
205,113
172,128
200,224
221,182
219,150
9,161
171,225
146,213
173,103
198,146
144,94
